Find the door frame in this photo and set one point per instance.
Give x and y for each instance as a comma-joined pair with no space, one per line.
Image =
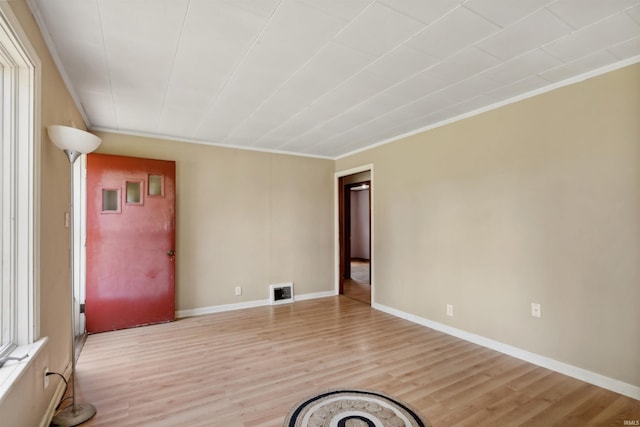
78,246
339,247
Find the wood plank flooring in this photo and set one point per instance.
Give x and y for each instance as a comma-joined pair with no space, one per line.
359,286
249,367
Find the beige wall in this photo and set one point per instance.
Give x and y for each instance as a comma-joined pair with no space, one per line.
27,402
244,218
538,201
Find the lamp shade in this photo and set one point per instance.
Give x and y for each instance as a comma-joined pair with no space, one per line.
72,139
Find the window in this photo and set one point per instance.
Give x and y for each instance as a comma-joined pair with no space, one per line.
134,192
155,185
17,180
110,200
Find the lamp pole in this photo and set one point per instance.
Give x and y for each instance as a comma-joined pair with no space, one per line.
76,413
74,142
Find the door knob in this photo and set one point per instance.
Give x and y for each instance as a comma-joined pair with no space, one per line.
171,252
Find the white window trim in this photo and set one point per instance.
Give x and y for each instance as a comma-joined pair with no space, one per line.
21,124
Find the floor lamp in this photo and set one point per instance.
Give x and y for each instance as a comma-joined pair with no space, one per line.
74,142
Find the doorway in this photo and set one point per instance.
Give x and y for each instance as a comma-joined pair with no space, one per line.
355,263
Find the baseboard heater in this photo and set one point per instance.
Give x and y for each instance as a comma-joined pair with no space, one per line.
281,293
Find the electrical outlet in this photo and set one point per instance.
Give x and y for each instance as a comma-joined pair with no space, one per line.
46,377
536,311
238,290
449,310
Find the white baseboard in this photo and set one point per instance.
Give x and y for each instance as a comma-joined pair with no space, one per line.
315,295
608,383
220,308
248,304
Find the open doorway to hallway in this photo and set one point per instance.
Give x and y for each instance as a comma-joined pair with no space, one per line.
355,235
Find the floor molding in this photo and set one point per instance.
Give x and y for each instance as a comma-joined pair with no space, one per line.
248,304
599,380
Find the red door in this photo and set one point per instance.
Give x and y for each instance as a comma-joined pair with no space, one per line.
130,242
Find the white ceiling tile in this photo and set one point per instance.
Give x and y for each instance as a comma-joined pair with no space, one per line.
634,13
537,29
250,130
580,13
463,65
301,122
263,7
505,12
294,35
72,19
433,102
575,68
268,142
354,91
287,102
177,120
473,104
613,30
468,89
424,11
143,80
518,88
401,63
338,61
420,122
334,64
378,30
132,115
140,40
217,33
214,130
400,115
418,85
86,63
327,146
144,24
384,102
533,62
99,106
299,29
346,10
431,119
187,97
349,119
323,73
194,73
626,49
458,29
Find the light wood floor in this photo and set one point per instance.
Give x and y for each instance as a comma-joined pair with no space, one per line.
359,286
249,367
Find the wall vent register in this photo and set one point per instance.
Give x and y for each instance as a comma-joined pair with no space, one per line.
282,293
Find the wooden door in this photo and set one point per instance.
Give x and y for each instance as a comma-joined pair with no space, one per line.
130,242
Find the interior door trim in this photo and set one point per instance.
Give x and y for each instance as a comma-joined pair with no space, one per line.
337,193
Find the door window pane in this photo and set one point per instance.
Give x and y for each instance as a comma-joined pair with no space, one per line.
134,194
155,185
110,200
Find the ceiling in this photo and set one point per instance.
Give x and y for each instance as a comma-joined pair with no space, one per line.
321,77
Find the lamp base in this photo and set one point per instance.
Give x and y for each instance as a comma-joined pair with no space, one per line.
73,417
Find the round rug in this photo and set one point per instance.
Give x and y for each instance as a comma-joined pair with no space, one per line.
352,408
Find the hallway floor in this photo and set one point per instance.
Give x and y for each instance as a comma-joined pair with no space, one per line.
359,286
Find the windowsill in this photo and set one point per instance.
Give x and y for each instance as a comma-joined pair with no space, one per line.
11,372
